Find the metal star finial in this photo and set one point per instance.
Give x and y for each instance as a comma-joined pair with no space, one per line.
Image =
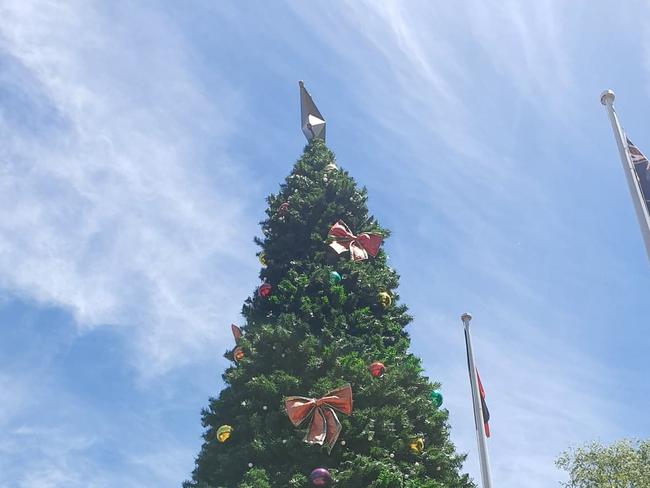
312,122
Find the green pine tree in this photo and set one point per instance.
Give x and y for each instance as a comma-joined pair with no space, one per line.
313,334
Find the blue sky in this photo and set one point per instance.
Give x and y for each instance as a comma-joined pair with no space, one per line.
138,141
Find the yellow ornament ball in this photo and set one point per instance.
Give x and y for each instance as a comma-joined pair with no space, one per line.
262,257
385,299
417,445
223,433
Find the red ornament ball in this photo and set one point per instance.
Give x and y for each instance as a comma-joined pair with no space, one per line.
283,209
320,477
377,369
264,290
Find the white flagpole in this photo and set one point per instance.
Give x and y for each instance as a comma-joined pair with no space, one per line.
607,99
478,411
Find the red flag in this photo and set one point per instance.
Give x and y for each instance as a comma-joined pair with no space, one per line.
486,412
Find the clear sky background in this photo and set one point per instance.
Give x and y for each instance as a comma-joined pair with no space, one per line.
138,141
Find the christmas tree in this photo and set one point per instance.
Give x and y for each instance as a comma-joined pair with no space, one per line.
322,390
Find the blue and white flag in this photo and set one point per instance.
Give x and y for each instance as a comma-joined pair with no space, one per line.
641,171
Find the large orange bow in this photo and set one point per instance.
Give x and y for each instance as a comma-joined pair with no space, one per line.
359,246
324,426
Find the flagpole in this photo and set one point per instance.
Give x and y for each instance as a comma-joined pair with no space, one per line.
607,99
478,411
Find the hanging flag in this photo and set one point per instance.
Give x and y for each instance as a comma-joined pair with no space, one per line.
641,171
486,412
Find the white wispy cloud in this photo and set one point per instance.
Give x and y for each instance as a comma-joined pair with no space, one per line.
54,435
56,457
15,398
117,193
51,457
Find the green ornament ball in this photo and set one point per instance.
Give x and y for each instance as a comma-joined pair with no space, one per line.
335,277
436,398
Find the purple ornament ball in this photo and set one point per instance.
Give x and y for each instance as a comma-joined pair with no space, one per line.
320,477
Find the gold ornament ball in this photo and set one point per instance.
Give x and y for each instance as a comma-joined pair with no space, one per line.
262,257
223,433
385,299
417,445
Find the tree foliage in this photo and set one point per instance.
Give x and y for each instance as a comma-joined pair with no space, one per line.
314,334
623,464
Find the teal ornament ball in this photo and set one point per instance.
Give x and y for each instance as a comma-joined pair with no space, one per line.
436,398
335,278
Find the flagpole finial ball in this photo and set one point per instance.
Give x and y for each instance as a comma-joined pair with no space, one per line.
607,97
466,317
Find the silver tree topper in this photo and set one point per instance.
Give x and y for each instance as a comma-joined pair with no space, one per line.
312,122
